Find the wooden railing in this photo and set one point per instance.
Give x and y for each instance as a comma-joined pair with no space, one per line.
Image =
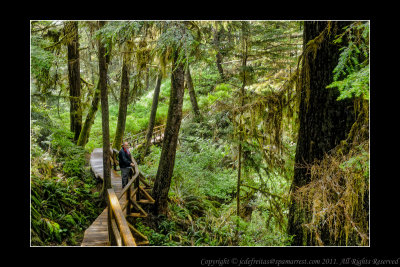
135,194
119,233
140,138
137,140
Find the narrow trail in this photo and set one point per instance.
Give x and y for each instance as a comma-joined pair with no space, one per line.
97,233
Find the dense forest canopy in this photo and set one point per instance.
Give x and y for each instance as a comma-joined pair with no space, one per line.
266,139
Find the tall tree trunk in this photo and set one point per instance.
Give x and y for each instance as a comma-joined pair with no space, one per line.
244,64
167,158
192,94
87,126
135,88
90,117
147,81
104,117
219,56
123,106
219,66
324,121
74,78
153,113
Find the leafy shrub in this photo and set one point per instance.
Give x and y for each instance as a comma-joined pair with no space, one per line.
163,234
351,75
198,162
205,80
70,155
59,209
62,202
221,92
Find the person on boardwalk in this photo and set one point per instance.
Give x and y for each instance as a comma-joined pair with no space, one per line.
125,163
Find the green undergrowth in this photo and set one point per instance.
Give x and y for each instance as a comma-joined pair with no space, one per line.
63,191
202,196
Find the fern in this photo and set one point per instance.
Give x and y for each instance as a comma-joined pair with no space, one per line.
351,76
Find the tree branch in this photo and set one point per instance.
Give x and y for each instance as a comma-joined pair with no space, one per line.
262,191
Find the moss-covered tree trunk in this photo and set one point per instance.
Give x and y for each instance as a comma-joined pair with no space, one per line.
167,158
192,93
147,81
74,78
87,126
136,88
218,55
153,113
91,116
123,106
219,65
324,121
104,116
244,64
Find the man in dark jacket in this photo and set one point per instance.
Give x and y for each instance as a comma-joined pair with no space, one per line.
125,163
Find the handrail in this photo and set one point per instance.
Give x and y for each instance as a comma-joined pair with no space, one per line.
139,138
118,228
132,180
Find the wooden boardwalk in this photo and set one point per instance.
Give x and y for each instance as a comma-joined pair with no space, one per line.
97,233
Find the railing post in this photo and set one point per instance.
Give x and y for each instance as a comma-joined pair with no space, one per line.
137,195
111,236
119,231
128,196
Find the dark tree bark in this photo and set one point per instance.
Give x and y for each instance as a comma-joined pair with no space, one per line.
104,116
219,66
74,78
123,106
136,88
167,158
244,64
90,117
153,113
192,94
219,56
324,121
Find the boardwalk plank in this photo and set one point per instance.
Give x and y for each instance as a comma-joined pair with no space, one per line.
97,233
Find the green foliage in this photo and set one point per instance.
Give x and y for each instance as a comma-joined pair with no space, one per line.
60,208
119,31
220,93
205,78
200,159
62,202
357,163
175,37
355,84
163,234
202,196
69,155
41,59
351,75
